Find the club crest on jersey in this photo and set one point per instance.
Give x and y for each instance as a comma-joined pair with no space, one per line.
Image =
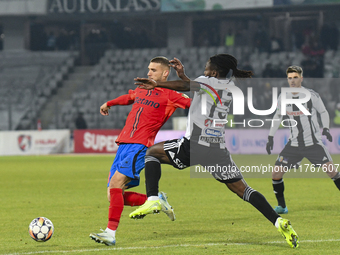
208,122
212,132
156,93
24,142
283,160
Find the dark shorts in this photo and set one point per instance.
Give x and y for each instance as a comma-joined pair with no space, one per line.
183,153
129,161
178,152
291,157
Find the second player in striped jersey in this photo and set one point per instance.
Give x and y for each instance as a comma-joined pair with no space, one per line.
305,137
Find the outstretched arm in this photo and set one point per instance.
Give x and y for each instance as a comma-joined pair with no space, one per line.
180,85
121,100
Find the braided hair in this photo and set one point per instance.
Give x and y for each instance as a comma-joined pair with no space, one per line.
223,63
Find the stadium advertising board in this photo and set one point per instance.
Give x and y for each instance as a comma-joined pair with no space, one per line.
95,141
20,7
253,141
238,141
34,142
103,140
210,5
102,6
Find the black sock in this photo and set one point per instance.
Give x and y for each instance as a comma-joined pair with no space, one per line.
336,180
260,203
152,175
279,188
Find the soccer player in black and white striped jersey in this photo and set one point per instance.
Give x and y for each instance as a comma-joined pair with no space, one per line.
204,141
305,138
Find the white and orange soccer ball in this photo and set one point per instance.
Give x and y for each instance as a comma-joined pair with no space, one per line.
41,229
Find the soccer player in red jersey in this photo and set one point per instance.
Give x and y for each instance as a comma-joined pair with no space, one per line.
150,110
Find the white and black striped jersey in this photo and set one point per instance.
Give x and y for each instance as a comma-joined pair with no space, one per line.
211,102
304,129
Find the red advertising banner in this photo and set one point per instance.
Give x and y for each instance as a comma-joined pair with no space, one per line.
96,140
238,141
103,140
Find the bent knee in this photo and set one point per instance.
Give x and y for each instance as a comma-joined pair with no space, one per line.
156,150
150,151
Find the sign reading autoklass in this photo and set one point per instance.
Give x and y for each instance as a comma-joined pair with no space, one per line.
102,6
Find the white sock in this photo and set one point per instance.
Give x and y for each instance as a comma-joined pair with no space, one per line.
111,232
153,198
277,222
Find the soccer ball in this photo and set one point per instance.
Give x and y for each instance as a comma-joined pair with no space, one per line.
41,229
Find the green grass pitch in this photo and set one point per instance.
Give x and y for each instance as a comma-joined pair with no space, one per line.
71,191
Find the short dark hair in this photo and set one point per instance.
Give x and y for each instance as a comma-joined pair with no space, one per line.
161,60
294,69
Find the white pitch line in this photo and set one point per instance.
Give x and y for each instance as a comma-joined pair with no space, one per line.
167,246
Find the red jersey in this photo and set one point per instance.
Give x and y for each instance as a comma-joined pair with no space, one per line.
150,110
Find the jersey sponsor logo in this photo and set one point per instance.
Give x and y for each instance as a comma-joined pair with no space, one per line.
220,123
144,101
24,142
208,139
324,158
212,132
295,113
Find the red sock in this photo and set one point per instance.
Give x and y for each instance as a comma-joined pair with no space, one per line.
116,208
134,198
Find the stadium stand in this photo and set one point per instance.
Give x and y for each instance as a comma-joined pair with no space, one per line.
33,77
114,73
28,79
